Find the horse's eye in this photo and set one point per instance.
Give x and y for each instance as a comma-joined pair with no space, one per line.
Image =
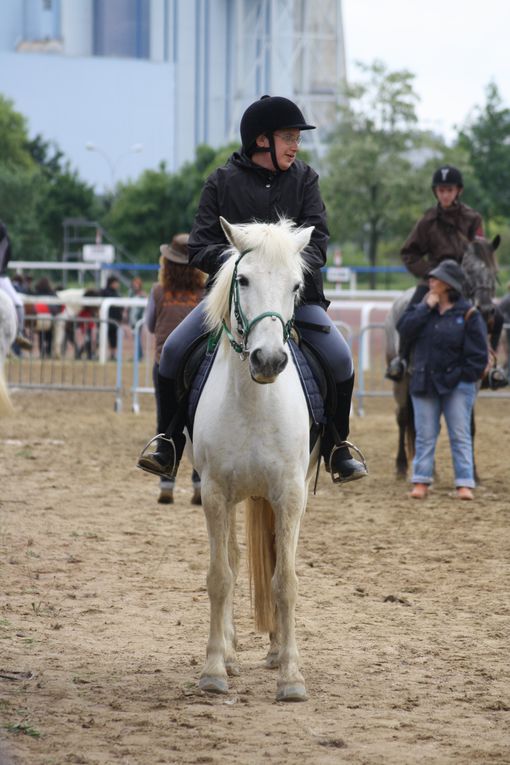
242,281
296,287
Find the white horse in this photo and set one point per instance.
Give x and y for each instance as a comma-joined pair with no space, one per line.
8,326
251,442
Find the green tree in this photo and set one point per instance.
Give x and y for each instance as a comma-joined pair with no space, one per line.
486,140
37,189
159,204
61,192
13,137
375,173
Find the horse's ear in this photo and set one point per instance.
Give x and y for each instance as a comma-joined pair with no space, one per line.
496,242
303,237
234,234
227,229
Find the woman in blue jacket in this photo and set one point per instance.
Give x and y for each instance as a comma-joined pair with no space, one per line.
450,353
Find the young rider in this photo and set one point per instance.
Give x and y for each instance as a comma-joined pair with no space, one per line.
6,286
442,233
263,182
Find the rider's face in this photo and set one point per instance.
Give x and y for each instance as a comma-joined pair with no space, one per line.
286,146
446,194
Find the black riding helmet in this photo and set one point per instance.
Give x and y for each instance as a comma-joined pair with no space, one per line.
266,115
447,175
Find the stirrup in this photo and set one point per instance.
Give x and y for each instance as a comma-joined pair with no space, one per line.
335,475
144,462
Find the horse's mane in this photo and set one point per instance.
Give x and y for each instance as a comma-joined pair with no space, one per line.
276,248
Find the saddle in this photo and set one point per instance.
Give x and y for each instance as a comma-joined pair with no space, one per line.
318,385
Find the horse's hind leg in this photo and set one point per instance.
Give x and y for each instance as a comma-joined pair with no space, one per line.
220,583
291,684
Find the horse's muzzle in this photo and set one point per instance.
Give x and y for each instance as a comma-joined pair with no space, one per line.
265,368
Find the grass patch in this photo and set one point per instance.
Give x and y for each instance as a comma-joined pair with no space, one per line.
23,728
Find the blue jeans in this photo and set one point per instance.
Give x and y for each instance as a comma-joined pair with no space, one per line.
457,407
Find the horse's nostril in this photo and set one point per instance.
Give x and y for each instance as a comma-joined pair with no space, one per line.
283,362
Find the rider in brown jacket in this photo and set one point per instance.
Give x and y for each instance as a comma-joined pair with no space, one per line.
442,233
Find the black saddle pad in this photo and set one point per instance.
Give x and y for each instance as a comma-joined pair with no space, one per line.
198,363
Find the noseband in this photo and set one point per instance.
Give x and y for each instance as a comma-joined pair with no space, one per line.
244,325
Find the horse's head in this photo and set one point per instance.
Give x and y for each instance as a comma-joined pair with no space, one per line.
256,290
481,268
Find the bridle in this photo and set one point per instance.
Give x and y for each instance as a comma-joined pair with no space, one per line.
244,325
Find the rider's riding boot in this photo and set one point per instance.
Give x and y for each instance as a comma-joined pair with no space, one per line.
339,461
396,369
170,442
23,342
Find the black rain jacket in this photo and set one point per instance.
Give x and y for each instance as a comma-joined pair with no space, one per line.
243,192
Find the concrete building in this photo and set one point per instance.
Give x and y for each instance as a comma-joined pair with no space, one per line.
146,81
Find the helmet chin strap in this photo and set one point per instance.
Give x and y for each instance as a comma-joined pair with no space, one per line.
271,149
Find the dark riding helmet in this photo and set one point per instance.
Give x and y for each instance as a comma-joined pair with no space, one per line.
268,114
447,175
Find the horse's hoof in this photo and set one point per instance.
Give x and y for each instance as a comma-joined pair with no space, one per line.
213,684
292,692
271,661
232,669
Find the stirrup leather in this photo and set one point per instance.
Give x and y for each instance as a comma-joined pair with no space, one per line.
335,475
144,464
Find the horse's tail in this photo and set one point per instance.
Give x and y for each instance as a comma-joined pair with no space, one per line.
261,561
6,407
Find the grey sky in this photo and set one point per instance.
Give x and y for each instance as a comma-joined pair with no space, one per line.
454,47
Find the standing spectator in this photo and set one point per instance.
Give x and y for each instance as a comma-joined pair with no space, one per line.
114,314
135,313
178,291
504,307
44,322
86,328
450,354
6,285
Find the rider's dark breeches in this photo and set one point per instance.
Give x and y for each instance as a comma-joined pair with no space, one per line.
331,345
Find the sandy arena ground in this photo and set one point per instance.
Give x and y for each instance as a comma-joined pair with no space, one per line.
402,618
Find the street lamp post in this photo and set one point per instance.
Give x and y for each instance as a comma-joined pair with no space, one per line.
136,148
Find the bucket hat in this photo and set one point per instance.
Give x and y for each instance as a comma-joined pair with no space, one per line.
177,251
451,273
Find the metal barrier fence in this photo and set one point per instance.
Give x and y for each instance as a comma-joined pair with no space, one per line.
73,361
64,357
372,383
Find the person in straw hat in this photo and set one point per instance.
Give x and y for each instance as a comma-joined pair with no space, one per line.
179,289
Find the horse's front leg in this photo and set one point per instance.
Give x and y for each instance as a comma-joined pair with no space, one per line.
291,684
220,583
231,664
